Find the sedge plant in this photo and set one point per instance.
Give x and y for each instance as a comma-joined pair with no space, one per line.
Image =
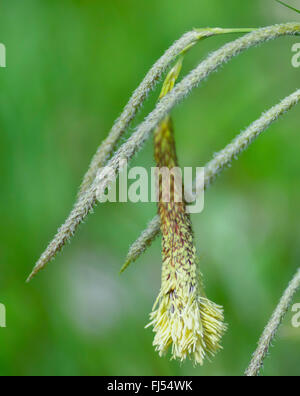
183,318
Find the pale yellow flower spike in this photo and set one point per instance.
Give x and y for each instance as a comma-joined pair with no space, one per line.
182,318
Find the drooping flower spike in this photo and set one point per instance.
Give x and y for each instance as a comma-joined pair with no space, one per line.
182,318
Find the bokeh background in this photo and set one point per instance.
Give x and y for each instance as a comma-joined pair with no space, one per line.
71,67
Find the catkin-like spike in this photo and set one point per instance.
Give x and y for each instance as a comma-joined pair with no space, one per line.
217,165
182,318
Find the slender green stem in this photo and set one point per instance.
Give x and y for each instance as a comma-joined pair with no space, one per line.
216,31
288,6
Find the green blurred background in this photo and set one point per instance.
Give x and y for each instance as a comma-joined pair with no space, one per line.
71,67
